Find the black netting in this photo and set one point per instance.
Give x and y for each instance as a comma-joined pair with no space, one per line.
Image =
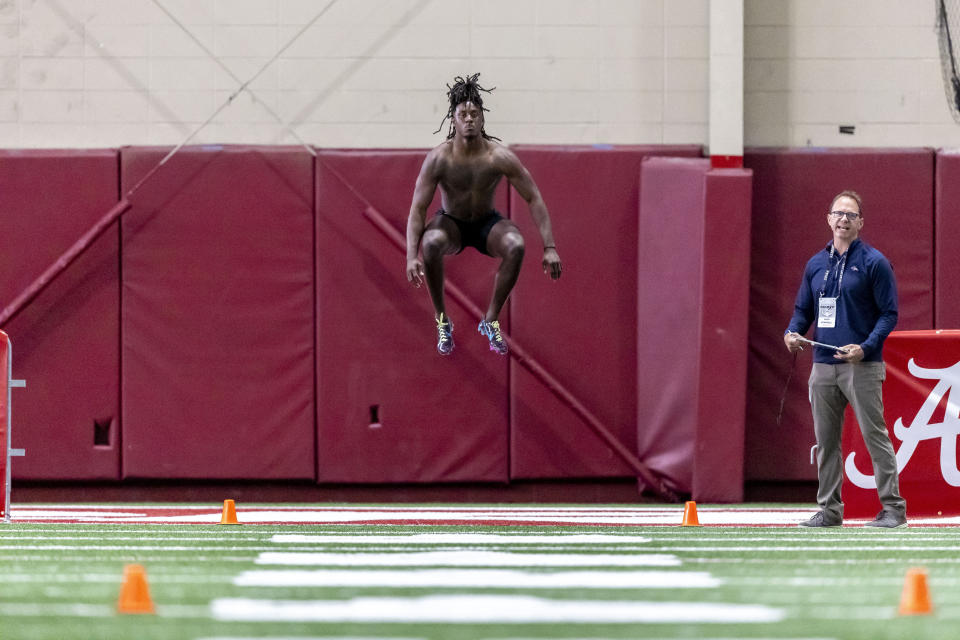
948,30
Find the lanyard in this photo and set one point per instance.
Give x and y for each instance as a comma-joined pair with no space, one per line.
826,274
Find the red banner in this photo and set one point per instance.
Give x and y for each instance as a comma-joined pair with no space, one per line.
923,419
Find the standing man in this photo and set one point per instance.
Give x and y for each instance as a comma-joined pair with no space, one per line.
468,167
849,290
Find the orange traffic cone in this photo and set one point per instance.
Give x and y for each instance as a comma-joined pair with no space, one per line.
134,592
229,513
690,515
915,600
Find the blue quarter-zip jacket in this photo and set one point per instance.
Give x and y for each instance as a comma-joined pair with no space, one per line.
866,305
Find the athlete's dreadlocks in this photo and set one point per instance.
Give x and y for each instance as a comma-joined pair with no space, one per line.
465,90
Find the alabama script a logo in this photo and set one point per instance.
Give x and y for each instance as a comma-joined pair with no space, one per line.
922,429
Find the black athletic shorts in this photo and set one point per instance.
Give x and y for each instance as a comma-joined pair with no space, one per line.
473,233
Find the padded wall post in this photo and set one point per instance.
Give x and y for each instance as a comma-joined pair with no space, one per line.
724,294
692,324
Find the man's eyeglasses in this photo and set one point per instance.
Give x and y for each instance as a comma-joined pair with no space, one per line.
851,215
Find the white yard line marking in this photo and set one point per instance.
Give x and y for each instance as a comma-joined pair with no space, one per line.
32,610
420,510
125,547
799,548
30,514
156,577
76,610
484,609
914,560
857,581
145,531
858,612
52,506
481,578
497,638
861,535
319,638
140,558
139,533
398,515
461,538
467,559
319,517
143,538
252,514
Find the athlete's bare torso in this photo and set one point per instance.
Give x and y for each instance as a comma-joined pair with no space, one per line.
468,180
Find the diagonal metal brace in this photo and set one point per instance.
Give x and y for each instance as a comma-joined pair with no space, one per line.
60,264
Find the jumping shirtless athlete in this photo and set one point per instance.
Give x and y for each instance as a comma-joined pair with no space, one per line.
468,167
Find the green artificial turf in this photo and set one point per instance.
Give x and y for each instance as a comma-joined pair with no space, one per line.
62,581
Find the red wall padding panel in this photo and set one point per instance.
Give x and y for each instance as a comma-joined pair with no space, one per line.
582,327
692,325
947,303
441,419
217,314
4,418
792,189
65,342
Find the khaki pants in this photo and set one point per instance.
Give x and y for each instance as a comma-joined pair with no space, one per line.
832,387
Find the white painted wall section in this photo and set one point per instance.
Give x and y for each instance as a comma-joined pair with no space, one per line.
373,73
726,83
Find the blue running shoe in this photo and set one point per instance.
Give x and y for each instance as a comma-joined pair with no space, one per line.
444,335
492,331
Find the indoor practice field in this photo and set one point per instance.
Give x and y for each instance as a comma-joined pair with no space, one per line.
235,239
428,571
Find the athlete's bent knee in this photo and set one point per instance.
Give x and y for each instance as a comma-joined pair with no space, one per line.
513,247
434,244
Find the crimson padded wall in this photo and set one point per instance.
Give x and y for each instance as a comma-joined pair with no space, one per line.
390,408
66,339
947,303
582,327
4,419
792,189
217,314
694,267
